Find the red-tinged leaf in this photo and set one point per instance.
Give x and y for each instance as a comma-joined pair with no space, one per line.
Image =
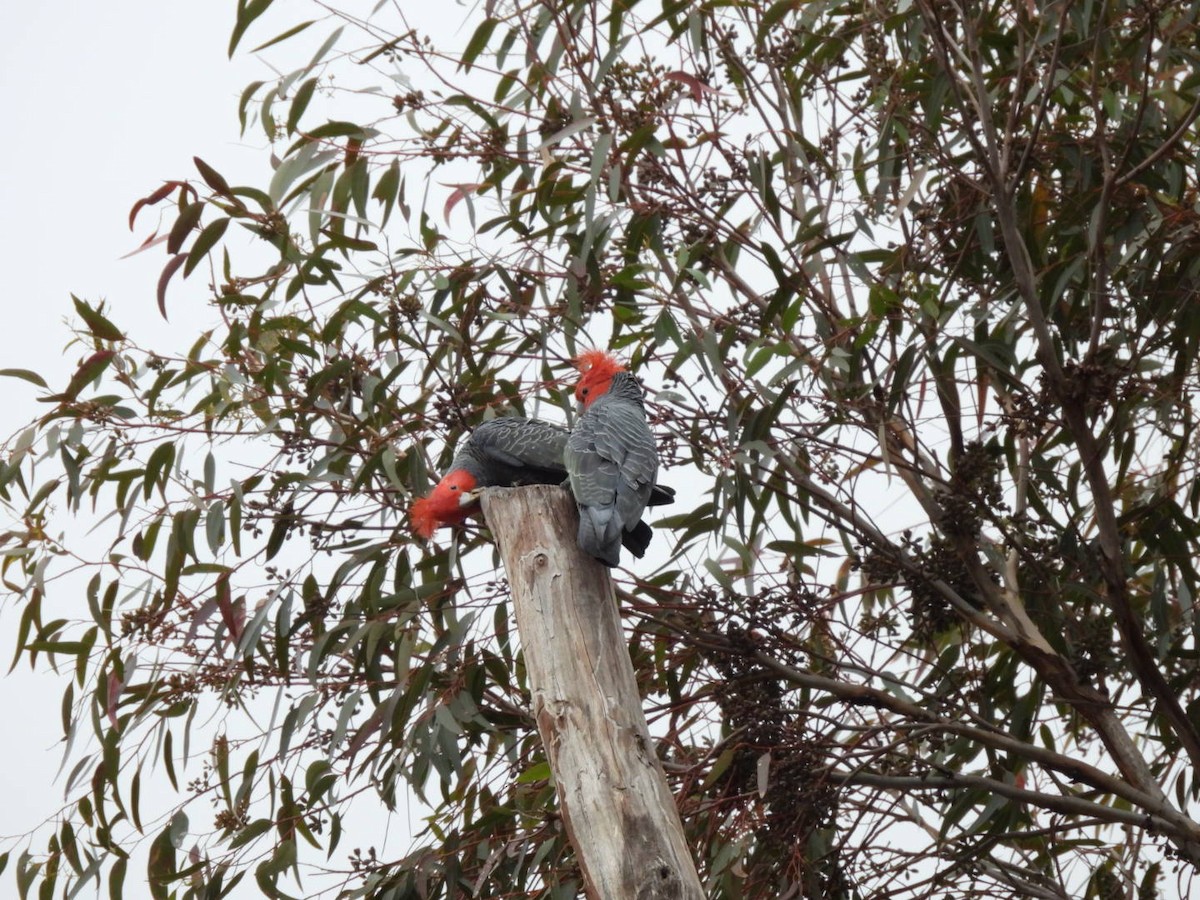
461,191
194,859
85,374
201,616
693,84
232,613
367,729
97,323
153,241
168,270
212,177
115,684
189,218
152,199
239,618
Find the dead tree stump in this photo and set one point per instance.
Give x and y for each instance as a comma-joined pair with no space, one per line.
619,813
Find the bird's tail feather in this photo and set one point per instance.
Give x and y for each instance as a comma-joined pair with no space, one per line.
600,538
637,539
661,495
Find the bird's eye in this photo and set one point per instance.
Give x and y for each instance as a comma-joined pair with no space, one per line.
454,487
583,392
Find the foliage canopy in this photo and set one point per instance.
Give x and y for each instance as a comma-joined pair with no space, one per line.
911,287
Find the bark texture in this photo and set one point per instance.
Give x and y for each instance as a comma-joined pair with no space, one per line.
619,813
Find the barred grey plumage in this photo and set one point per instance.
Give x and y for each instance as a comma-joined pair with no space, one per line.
511,451
611,459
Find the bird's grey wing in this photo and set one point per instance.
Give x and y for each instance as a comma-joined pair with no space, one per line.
523,444
595,480
594,475
623,437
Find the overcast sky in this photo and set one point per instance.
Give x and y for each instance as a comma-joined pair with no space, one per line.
101,102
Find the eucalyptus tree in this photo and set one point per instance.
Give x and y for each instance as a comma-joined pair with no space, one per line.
909,285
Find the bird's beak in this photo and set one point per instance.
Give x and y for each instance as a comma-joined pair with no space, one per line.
468,498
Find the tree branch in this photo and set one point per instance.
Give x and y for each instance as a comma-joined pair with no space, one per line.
1072,806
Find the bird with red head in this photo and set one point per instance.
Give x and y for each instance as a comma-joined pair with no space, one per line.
598,369
447,504
610,456
506,452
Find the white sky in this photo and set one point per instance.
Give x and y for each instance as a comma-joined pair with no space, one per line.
101,102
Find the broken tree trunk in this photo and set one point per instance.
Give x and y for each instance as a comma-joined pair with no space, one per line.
619,813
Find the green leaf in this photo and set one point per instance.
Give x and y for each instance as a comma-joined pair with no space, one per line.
478,42
169,759
97,324
278,534
244,103
89,370
774,14
168,270
535,773
386,190
189,218
161,866
342,129
40,496
135,794
255,829
280,38
267,872
205,241
300,103
158,469
247,12
116,880
27,872
25,375
212,177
